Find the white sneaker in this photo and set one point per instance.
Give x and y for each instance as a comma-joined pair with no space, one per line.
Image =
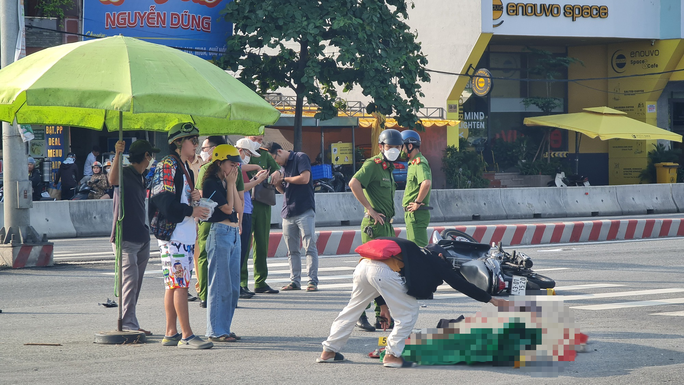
195,343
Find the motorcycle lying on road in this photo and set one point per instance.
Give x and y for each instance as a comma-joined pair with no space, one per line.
564,181
490,268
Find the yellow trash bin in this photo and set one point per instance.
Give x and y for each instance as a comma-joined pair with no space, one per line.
666,172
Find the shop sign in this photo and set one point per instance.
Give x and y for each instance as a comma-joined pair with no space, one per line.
609,18
482,82
37,145
341,153
194,26
54,137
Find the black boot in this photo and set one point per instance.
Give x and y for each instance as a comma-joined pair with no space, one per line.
364,324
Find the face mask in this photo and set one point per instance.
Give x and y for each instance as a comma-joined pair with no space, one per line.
256,145
392,154
246,159
205,155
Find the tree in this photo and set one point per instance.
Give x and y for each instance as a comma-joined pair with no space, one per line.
547,66
316,47
50,8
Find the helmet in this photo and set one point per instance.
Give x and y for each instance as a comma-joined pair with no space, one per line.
182,130
411,137
108,164
226,152
390,136
97,164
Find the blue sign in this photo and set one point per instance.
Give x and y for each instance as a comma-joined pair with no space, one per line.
194,26
54,137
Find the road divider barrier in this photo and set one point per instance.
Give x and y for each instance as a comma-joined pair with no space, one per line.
69,219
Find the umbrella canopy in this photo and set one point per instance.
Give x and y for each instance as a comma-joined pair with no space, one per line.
87,84
604,123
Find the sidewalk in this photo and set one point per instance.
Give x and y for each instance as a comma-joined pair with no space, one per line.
343,240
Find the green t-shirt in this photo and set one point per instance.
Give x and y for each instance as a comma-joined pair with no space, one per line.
378,184
266,161
239,182
418,172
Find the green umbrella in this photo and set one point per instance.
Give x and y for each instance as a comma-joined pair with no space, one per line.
129,84
87,84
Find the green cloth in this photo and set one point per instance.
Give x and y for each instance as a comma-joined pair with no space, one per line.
501,347
202,264
379,230
418,172
239,182
378,184
266,162
261,230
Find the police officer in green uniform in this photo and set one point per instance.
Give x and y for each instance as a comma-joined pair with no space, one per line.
417,192
261,222
373,186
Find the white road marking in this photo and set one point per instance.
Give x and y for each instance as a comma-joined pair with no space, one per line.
672,313
553,269
625,305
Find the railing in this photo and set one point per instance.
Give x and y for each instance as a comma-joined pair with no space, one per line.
346,107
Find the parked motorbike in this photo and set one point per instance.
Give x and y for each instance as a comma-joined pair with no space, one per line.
564,181
81,192
489,268
336,184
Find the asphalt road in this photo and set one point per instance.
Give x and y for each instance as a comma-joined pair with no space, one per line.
627,296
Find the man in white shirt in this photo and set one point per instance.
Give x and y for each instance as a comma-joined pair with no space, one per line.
92,158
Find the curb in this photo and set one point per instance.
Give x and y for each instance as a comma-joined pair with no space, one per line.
344,242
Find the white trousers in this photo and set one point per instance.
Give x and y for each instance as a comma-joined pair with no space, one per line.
371,279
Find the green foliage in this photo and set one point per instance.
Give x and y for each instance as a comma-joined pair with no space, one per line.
463,167
508,155
547,66
660,154
543,167
290,44
53,8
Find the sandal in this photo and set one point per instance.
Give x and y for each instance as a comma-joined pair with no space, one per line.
291,286
311,287
234,336
222,339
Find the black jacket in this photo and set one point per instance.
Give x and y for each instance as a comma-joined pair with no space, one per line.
69,175
424,271
36,183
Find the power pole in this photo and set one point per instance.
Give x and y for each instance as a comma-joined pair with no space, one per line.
20,245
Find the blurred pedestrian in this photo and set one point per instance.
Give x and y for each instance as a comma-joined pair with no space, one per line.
90,159
261,218
68,174
223,244
172,208
373,186
247,151
98,183
36,179
298,213
135,235
203,227
417,191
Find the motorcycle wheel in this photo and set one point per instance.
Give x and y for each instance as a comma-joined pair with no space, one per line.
534,281
323,188
542,281
457,235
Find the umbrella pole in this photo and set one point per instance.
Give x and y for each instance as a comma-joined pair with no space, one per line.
119,241
577,146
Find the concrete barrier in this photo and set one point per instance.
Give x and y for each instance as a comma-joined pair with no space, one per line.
678,196
526,203
646,199
92,218
66,219
580,201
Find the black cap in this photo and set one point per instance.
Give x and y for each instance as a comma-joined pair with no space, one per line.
141,147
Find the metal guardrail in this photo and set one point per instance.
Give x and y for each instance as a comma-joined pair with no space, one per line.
348,108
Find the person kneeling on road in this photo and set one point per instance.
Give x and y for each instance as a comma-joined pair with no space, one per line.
410,274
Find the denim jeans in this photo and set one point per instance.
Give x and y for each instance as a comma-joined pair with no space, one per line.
223,278
301,228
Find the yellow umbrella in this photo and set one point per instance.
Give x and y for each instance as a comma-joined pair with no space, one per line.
604,123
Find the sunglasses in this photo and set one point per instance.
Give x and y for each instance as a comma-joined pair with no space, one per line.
193,139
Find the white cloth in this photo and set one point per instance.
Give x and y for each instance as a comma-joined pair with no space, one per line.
186,231
371,279
88,167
